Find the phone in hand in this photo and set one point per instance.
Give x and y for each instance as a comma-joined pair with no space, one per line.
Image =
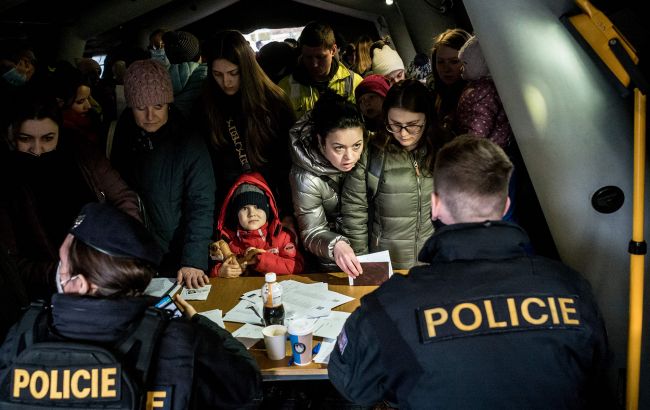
168,303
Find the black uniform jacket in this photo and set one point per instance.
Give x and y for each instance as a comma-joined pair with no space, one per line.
485,326
203,364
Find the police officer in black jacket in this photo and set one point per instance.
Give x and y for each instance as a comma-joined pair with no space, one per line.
485,325
106,263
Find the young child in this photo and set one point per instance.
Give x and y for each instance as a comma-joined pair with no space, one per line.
250,225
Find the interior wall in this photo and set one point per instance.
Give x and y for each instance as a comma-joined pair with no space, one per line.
575,134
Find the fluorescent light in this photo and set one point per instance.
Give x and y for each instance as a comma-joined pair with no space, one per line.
389,2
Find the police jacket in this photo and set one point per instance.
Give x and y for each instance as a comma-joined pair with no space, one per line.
172,172
316,187
304,94
485,326
399,210
200,364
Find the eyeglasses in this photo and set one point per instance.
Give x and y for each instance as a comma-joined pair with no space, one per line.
397,128
70,279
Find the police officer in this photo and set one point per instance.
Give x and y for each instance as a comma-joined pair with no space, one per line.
485,325
107,261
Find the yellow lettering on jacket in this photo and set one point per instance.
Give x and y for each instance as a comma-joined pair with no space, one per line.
156,399
59,384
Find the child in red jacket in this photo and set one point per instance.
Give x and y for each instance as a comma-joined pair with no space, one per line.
249,222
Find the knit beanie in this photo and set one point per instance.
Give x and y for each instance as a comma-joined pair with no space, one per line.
181,46
147,82
385,60
474,65
374,83
248,194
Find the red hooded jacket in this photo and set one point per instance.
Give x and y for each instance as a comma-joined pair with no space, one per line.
281,256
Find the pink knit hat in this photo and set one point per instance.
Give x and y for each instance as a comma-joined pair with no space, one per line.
374,83
147,82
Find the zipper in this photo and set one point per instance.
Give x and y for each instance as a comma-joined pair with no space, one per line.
419,211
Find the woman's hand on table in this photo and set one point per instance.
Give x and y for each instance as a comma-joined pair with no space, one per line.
192,278
187,309
230,269
346,259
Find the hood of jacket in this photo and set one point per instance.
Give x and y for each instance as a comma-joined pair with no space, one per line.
303,153
253,178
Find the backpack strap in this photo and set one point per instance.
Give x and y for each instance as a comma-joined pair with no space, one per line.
375,170
25,328
144,338
349,82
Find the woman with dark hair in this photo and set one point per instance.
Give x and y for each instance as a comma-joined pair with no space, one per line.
448,84
106,262
325,145
386,199
45,181
248,118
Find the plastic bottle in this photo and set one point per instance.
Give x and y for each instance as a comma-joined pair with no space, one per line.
272,299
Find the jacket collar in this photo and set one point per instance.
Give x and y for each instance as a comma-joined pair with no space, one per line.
469,241
95,319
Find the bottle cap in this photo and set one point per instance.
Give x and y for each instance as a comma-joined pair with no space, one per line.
270,277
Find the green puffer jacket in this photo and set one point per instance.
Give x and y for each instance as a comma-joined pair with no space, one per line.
315,186
401,208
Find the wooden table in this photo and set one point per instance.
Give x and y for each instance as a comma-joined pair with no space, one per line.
225,294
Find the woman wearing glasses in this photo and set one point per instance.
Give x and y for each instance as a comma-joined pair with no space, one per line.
386,199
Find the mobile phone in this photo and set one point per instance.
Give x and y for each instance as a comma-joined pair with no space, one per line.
168,303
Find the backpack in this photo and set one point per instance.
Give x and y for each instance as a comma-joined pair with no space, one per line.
49,371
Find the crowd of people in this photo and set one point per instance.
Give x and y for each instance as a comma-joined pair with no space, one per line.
298,165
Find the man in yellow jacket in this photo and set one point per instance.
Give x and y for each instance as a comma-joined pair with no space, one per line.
318,70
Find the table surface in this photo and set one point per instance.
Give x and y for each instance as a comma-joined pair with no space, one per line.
225,294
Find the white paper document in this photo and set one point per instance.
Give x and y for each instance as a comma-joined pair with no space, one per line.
196,294
244,312
326,348
382,256
248,335
215,316
330,326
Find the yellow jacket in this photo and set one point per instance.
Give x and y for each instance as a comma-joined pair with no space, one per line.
303,97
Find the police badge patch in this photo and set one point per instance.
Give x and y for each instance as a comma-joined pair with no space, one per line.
342,340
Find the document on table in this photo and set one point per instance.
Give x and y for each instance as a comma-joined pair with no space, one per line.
326,348
196,294
215,316
244,312
330,326
382,256
248,334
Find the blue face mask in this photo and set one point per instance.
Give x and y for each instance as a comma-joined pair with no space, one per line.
15,77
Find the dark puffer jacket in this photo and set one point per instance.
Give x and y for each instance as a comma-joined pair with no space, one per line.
400,211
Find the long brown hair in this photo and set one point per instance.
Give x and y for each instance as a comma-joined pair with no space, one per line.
363,60
113,276
264,103
411,95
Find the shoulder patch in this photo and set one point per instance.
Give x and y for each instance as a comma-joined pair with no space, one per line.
498,314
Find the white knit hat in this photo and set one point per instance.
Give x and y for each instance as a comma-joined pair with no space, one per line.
474,65
385,60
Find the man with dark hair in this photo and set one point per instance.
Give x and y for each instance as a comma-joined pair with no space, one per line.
485,325
318,69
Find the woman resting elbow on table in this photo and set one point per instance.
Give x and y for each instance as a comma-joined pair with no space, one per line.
326,144
107,261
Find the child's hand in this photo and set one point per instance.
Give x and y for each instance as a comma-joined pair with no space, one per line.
230,269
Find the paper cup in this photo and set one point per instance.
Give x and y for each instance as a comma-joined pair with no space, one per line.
300,337
275,337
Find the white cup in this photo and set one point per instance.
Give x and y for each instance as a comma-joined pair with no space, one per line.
301,338
275,337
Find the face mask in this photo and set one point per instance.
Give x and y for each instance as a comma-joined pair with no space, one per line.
15,78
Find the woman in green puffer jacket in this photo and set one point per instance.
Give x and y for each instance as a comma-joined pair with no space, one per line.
326,144
386,199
